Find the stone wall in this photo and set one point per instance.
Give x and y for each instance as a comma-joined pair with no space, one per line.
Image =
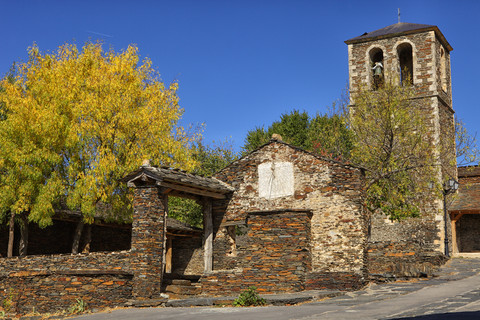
344,281
276,259
403,249
187,255
53,283
332,191
148,240
402,259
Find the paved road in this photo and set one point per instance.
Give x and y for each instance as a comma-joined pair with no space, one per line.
454,294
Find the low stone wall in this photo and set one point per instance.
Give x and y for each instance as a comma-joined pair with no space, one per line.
401,259
276,259
57,291
53,283
343,281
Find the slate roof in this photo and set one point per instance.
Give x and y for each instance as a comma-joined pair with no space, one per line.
397,29
275,140
469,171
468,197
180,177
467,200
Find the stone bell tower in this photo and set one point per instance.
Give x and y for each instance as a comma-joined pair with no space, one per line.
420,54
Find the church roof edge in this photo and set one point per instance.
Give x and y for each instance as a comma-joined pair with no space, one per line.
398,29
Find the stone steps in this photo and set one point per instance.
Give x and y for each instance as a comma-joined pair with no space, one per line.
182,288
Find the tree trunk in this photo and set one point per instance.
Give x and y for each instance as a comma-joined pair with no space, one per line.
11,235
77,236
88,239
23,236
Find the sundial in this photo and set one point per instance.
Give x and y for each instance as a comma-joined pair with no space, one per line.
275,180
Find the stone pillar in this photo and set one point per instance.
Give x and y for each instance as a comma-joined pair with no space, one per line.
148,241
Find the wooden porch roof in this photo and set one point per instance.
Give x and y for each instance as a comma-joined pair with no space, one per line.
178,182
467,200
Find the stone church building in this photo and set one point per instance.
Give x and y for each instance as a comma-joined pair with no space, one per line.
280,218
419,54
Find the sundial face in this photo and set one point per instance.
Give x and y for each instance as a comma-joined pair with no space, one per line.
275,180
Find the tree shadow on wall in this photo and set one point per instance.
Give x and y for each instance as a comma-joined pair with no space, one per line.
446,316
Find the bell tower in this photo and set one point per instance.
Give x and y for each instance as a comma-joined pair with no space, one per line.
420,55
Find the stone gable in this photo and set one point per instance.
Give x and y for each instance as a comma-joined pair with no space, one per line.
330,190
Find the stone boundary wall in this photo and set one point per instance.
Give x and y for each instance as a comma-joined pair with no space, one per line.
401,259
53,283
343,281
276,259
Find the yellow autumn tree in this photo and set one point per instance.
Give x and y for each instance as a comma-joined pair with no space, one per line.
74,122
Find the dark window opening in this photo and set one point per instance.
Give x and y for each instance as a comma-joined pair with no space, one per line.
405,58
376,61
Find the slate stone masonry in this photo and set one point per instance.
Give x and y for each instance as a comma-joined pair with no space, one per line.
54,283
148,241
277,258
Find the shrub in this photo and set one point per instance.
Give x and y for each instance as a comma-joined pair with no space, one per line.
249,297
78,307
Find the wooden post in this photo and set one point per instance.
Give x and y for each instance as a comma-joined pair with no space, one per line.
168,256
208,235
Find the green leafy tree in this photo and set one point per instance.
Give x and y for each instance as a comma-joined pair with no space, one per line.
383,132
399,163
211,159
293,127
255,138
323,134
329,136
75,122
467,149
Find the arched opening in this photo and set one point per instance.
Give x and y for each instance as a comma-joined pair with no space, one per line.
376,62
405,58
443,69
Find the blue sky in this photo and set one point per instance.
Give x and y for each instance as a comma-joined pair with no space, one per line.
241,64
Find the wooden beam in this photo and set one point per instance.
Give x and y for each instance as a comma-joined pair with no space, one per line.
208,235
180,194
456,217
184,235
200,192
